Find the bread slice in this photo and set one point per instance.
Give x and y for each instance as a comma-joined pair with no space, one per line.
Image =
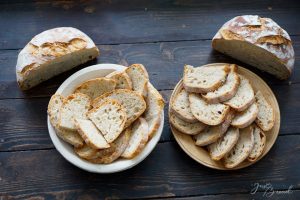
204,79
223,145
139,78
246,117
266,116
91,135
181,106
71,137
213,133
132,101
86,152
244,96
96,87
109,117
155,106
226,91
186,127
210,114
122,79
138,138
116,149
74,106
259,144
241,150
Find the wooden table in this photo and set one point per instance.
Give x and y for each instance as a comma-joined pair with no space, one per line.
163,35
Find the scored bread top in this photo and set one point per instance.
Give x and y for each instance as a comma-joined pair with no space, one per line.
122,79
246,117
266,116
139,78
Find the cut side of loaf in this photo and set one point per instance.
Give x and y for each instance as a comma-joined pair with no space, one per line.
259,144
96,87
266,116
138,138
74,106
181,106
246,117
226,91
139,78
132,101
109,117
71,137
244,96
210,114
86,152
223,145
213,133
204,79
155,106
241,150
186,127
122,79
91,135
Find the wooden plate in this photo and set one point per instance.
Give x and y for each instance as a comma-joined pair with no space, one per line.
200,154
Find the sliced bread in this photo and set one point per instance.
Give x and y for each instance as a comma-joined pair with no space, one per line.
223,145
122,79
181,106
244,96
204,79
86,152
91,135
96,87
132,101
138,138
186,127
210,114
246,117
226,91
213,133
71,137
109,117
259,144
241,150
74,106
139,78
266,116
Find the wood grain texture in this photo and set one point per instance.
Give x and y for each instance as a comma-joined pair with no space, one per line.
46,174
135,21
164,62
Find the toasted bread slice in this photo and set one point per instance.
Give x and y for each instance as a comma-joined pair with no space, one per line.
155,106
122,79
186,127
139,78
223,145
213,133
110,118
241,150
133,103
181,106
138,138
244,96
74,106
91,135
116,149
246,117
96,87
210,114
226,91
266,116
86,152
204,79
259,144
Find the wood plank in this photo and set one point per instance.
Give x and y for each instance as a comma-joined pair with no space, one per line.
164,62
114,22
167,172
23,123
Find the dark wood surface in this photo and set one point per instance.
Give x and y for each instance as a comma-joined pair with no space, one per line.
163,35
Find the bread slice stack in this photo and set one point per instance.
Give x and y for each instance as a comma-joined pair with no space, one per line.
110,117
222,112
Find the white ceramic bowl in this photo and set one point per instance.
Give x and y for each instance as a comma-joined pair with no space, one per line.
66,150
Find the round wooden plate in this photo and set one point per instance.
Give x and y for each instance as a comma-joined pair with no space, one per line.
200,154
